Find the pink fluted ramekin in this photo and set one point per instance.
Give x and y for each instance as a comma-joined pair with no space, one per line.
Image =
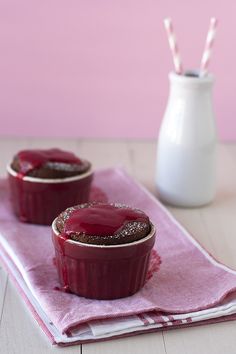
103,272
39,200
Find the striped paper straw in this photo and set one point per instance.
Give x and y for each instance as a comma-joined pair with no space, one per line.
208,47
173,45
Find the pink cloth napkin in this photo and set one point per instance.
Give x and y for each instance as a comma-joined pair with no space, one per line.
188,280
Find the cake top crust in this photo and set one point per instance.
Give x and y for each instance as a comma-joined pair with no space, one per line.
103,223
48,163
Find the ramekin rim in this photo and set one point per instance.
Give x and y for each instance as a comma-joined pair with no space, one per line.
149,236
50,180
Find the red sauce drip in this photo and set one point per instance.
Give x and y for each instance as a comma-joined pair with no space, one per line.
22,214
32,159
101,219
61,240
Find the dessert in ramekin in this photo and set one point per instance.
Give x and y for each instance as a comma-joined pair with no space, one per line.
102,250
45,182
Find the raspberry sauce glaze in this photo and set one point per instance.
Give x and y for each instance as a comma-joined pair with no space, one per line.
101,219
33,159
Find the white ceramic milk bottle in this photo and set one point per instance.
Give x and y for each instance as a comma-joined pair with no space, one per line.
186,152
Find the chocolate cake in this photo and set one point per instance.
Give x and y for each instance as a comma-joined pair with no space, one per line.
49,164
102,250
45,182
103,224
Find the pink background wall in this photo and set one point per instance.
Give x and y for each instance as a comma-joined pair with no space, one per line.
98,68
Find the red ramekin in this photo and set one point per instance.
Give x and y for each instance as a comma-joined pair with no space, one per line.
39,200
103,272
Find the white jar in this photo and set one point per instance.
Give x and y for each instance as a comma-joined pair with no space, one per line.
186,152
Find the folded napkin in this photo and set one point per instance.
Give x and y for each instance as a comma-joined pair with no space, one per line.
189,288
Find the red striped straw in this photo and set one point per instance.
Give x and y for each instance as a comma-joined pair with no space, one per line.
173,45
208,47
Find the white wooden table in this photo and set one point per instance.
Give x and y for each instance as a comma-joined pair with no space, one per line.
214,226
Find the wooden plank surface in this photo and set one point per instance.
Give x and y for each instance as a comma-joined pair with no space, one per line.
213,225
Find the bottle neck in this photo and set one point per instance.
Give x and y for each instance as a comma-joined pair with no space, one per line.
191,84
